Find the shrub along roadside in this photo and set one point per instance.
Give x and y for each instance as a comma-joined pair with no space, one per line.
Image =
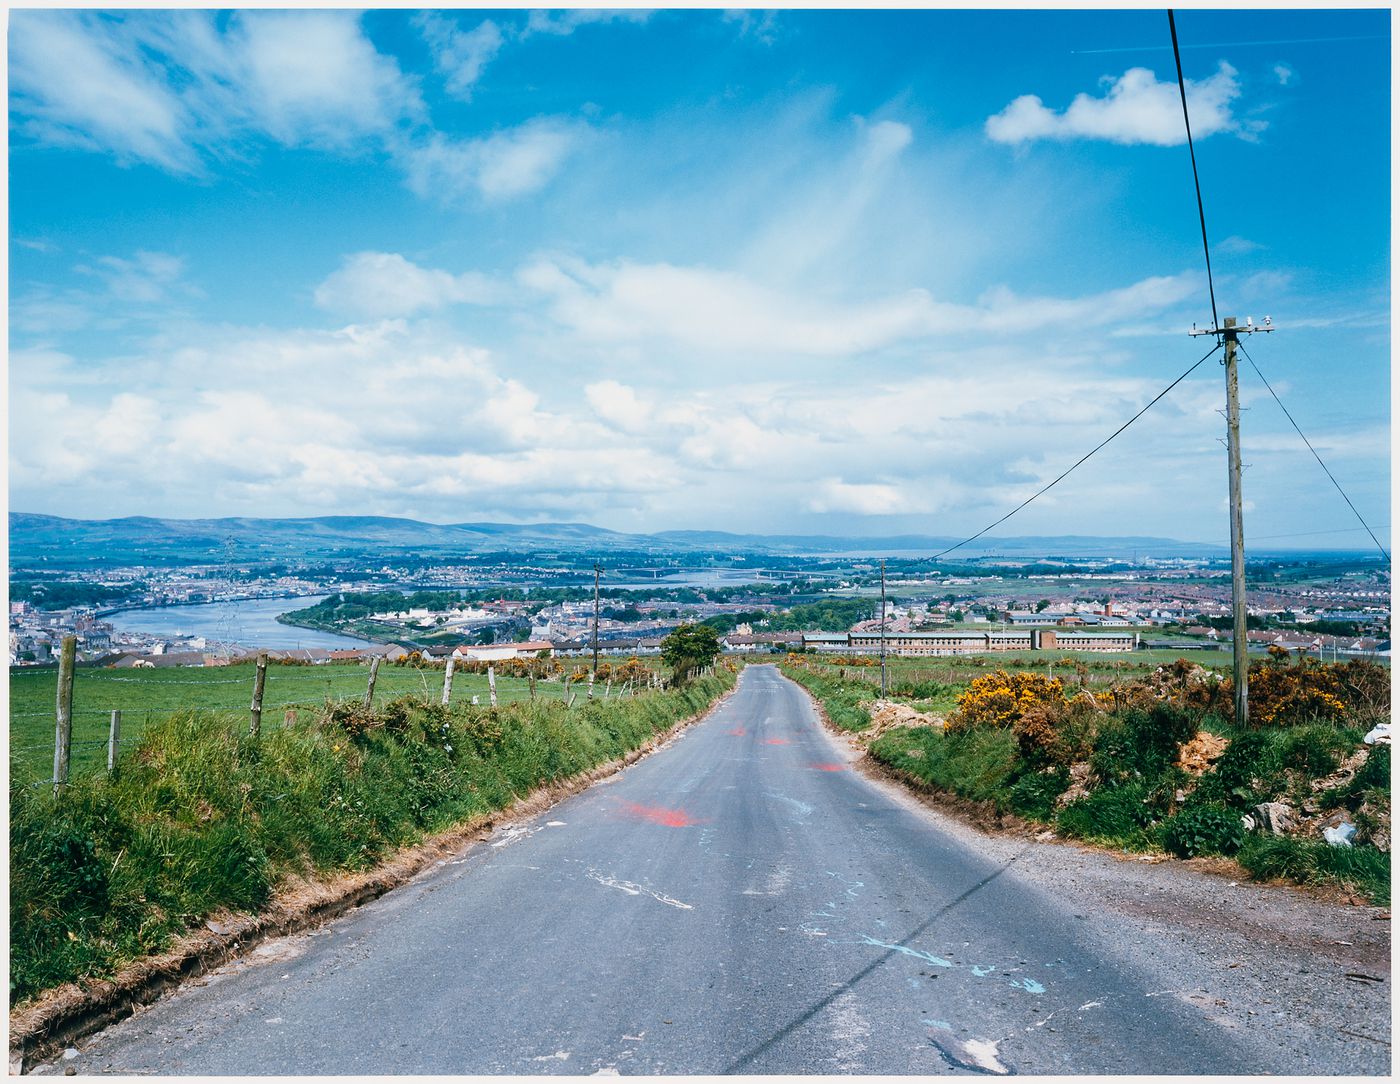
1130,782
201,818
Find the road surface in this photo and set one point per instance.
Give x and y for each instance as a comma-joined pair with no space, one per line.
742,901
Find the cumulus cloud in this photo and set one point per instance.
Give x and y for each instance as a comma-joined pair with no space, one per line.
460,55
509,163
1135,108
375,285
619,405
861,499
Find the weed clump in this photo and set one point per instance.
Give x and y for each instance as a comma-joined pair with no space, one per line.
1203,829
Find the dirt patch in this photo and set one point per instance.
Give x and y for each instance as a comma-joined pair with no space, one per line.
65,1014
1197,755
887,715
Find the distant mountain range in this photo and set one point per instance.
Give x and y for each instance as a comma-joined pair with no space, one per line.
40,539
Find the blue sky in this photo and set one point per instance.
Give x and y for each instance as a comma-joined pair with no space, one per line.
833,271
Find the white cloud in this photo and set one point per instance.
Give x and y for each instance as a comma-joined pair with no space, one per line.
1136,108
566,22
1284,74
314,78
723,310
619,405
1235,245
374,285
75,82
861,499
171,90
146,278
506,164
460,55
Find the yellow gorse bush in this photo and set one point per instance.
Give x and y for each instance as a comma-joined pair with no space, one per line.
1000,699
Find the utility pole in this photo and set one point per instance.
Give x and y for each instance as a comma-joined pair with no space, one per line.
884,685
1230,332
597,572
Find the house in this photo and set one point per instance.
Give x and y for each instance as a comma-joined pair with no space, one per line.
498,652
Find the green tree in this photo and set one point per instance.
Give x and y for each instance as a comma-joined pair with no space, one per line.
689,648
1042,605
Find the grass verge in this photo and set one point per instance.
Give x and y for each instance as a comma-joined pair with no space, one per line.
1129,798
201,819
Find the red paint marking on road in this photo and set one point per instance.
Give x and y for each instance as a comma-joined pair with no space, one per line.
827,767
775,741
671,818
737,732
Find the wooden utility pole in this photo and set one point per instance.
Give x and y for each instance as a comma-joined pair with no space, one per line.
1229,333
884,684
259,682
1241,612
63,713
597,572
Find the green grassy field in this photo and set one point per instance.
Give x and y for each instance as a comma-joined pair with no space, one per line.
144,696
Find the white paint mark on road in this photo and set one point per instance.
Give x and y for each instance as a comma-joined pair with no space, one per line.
850,1029
555,824
514,833
637,890
802,809
1091,1005
558,1055
972,1054
811,931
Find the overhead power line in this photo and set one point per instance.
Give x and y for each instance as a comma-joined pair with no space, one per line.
1320,463
1045,489
1200,204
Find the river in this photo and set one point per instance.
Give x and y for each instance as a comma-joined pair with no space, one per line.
250,623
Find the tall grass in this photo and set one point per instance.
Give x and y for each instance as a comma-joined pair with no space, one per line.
200,817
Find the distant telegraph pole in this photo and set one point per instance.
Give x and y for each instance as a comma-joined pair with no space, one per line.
597,573
884,685
1230,332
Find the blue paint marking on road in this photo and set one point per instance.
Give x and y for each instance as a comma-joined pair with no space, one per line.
982,971
1029,985
937,961
938,1024
851,886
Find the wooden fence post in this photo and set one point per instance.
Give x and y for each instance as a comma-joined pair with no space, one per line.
447,680
63,713
568,697
607,692
259,682
491,681
590,685
373,675
532,682
114,740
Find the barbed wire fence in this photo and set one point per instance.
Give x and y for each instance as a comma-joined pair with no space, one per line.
339,687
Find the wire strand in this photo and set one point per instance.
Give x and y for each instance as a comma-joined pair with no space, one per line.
1157,399
1191,144
1320,463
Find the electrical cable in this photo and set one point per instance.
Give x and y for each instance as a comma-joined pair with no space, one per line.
1190,143
1158,398
1320,463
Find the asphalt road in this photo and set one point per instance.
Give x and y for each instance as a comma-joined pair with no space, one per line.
741,901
